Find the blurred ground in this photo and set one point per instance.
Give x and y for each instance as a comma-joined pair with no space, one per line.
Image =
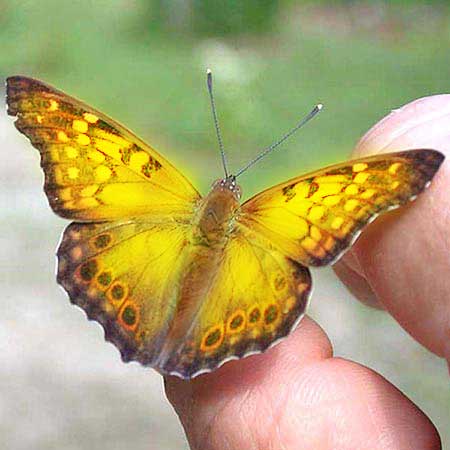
61,385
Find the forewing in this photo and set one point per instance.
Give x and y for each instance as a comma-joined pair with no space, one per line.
316,217
256,297
95,169
123,275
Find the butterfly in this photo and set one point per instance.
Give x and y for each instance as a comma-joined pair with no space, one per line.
180,282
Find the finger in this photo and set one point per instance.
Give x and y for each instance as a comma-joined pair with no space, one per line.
304,346
402,260
296,396
351,273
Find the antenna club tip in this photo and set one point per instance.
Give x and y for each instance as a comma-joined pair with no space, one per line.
319,106
209,78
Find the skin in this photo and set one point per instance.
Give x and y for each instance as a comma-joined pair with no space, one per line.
297,395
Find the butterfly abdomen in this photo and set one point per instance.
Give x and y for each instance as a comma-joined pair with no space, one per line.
201,264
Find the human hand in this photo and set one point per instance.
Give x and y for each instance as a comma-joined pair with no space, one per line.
297,395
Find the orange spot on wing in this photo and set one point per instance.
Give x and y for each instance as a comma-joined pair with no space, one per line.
302,287
104,279
315,233
332,200
352,189
309,244
65,194
80,125
359,167
129,315
253,315
271,314
83,139
279,282
236,322
91,118
329,243
96,156
212,338
117,292
53,105
89,191
316,213
337,223
101,241
394,168
84,203
361,177
102,173
62,136
72,172
351,204
87,271
71,152
368,193
76,253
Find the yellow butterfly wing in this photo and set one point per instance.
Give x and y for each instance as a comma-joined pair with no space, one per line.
256,296
95,169
314,218
120,260
124,275
260,288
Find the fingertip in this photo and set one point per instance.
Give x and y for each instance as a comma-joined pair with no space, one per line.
306,344
401,255
380,413
355,281
422,123
327,403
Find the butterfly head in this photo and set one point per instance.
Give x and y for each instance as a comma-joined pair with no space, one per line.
228,184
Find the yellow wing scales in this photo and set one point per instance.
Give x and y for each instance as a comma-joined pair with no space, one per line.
180,283
95,169
123,275
315,218
257,297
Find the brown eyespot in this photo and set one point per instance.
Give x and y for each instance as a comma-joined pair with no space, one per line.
88,270
254,315
236,322
102,240
129,315
212,338
104,279
117,291
270,314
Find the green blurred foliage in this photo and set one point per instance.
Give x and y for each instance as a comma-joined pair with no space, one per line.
217,17
213,17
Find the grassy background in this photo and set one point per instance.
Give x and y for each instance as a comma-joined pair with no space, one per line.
144,62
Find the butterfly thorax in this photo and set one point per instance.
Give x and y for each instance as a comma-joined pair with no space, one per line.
214,218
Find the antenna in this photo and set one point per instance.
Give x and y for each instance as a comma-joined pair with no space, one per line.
216,122
266,151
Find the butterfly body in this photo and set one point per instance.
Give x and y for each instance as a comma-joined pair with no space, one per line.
213,225
214,219
183,283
